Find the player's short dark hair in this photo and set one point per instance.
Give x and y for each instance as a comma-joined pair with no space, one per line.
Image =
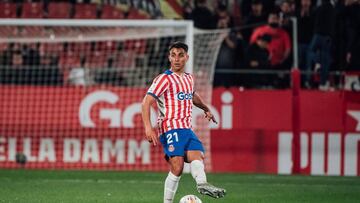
178,45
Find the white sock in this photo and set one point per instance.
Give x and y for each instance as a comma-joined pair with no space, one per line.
198,171
171,185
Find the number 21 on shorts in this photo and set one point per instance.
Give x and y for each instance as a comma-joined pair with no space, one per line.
171,137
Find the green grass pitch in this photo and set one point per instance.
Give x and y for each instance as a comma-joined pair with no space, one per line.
137,187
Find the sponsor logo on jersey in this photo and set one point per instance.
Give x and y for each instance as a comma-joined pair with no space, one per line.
184,96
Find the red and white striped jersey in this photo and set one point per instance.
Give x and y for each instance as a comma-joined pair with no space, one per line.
174,95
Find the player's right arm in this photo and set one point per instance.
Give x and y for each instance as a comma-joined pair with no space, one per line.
150,133
157,88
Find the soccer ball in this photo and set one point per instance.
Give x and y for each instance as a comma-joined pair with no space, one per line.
190,199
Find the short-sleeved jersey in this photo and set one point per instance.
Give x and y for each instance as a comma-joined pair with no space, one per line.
174,95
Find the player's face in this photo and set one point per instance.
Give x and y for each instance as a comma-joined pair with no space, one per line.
178,58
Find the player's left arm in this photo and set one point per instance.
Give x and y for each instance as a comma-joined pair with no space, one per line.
198,102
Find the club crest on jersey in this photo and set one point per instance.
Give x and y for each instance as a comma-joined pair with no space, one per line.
171,148
186,96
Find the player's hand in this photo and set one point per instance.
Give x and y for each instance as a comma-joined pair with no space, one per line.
210,116
151,136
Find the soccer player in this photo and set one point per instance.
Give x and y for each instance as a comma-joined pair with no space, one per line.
174,93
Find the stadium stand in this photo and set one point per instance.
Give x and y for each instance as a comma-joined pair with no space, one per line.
142,10
96,59
9,10
59,10
136,14
85,11
32,10
111,12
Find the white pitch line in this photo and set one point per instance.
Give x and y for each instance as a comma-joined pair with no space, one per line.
88,181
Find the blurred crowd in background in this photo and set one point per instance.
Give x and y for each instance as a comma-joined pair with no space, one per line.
261,40
258,50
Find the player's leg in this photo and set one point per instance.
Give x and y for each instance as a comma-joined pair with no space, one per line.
197,168
195,156
173,144
173,178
